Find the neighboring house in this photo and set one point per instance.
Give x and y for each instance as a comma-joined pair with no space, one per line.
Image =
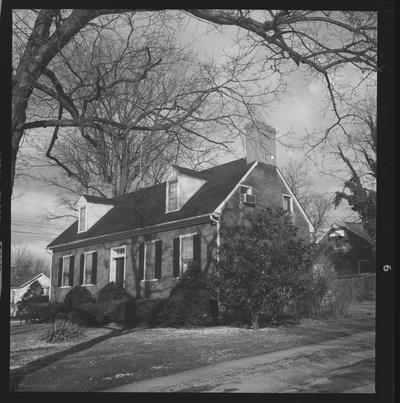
145,240
352,247
20,285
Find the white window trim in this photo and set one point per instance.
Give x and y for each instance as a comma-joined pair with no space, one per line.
144,262
291,201
180,249
62,273
112,261
84,268
79,219
358,265
248,187
178,192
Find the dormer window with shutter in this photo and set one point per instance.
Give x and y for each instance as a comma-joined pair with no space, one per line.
82,219
172,196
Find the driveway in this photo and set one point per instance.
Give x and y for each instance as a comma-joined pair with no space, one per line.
345,364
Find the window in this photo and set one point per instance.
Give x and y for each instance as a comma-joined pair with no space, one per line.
172,196
12,297
65,271
363,266
88,268
186,251
150,260
82,219
287,203
243,189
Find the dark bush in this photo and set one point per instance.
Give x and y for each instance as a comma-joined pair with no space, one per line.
147,310
36,308
111,292
121,312
77,296
190,303
92,313
76,317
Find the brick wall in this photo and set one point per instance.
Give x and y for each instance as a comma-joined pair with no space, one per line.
268,188
147,289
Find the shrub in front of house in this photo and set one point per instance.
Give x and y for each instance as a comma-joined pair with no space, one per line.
77,296
111,292
190,303
121,311
92,314
147,310
61,330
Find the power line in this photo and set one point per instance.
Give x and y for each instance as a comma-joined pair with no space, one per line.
33,233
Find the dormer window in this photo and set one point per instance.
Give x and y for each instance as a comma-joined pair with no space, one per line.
82,219
172,196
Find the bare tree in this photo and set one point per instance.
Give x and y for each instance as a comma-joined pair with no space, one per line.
359,154
317,205
24,262
299,36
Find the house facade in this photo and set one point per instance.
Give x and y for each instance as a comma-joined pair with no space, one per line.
353,248
20,285
146,239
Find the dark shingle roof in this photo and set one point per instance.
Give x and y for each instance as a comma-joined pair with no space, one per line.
146,207
191,172
358,229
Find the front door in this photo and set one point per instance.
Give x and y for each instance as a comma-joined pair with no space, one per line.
119,271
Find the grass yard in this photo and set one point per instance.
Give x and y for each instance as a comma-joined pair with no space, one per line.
132,355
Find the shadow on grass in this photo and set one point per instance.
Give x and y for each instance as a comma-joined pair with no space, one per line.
18,374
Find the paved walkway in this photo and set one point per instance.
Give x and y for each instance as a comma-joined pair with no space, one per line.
345,364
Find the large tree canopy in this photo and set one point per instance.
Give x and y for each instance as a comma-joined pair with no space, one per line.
323,42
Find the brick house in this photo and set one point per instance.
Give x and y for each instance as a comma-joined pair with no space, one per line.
354,248
144,240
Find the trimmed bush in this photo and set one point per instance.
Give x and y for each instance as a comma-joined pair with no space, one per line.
111,292
147,310
77,296
92,313
61,330
33,308
121,312
190,302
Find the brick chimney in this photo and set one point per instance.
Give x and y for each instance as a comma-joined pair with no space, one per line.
260,143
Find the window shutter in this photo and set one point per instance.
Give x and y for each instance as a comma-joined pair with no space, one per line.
141,261
82,265
197,249
158,267
176,257
60,267
71,270
94,267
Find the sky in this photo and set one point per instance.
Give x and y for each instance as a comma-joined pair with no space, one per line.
298,111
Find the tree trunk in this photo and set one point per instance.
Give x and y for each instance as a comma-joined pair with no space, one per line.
254,321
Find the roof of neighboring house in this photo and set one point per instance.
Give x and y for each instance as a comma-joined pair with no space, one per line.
24,279
358,229
146,207
99,200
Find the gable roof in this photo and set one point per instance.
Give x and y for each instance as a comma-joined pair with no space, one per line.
358,229
146,207
24,278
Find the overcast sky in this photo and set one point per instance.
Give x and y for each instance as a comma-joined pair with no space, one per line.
298,111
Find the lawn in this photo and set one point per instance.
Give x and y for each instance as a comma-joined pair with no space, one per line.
132,355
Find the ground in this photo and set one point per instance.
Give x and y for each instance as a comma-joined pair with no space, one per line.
119,357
